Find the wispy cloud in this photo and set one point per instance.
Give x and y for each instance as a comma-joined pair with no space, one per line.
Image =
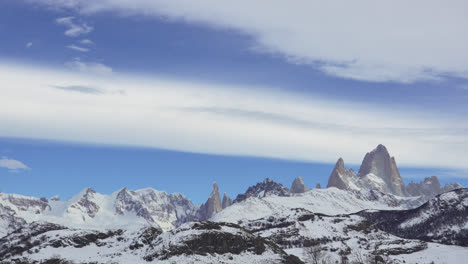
221,119
79,89
74,29
77,48
29,44
12,164
358,39
86,42
89,67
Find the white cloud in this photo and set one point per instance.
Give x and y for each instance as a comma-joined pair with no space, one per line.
77,48
399,40
221,119
12,165
74,29
29,44
88,67
86,42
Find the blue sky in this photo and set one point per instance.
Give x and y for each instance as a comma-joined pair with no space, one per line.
249,92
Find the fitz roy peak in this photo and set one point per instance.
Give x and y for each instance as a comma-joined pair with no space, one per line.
378,171
378,163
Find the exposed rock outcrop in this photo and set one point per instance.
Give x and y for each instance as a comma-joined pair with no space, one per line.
379,163
298,186
227,201
341,177
212,205
430,187
262,189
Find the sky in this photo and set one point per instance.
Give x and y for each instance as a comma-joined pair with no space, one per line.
169,95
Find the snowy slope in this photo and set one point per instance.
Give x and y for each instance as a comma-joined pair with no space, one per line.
331,201
443,219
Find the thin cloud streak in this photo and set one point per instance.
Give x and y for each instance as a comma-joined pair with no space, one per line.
79,89
78,48
221,119
74,29
12,164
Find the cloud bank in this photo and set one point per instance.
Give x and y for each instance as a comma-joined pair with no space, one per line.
399,41
221,119
12,165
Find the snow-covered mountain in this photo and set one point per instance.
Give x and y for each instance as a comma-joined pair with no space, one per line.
379,171
365,217
89,209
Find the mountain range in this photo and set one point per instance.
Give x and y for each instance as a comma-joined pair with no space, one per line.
365,217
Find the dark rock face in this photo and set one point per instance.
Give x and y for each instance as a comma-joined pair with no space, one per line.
341,177
379,163
145,238
9,220
318,186
215,240
291,229
443,219
262,189
212,205
227,201
24,238
298,186
26,203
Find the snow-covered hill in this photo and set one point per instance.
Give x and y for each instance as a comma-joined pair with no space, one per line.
443,219
197,242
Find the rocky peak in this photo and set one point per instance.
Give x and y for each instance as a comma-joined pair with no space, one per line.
85,203
227,201
212,205
298,186
430,187
378,164
341,177
262,189
318,186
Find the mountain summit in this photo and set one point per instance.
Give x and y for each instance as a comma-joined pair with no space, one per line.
212,205
378,165
298,186
378,171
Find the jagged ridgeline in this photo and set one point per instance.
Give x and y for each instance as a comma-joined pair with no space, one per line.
365,217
